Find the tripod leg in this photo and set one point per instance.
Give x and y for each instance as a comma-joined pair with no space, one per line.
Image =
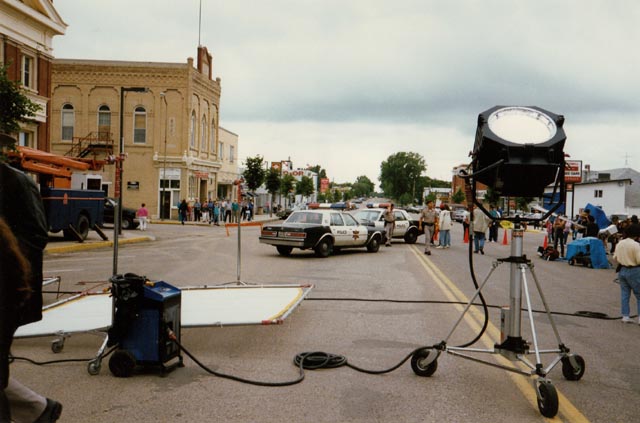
546,307
539,369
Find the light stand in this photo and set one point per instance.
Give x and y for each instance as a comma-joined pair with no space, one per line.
498,163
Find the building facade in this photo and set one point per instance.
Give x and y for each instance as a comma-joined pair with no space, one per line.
27,29
169,115
229,172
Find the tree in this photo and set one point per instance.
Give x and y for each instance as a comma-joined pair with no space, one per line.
15,106
321,174
491,196
363,187
337,196
458,197
254,174
399,174
287,184
305,186
272,184
431,197
522,203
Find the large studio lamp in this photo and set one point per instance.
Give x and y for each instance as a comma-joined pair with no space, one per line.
518,150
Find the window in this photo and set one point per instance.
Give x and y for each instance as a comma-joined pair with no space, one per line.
212,136
336,219
231,153
349,220
104,122
140,125
26,139
203,134
221,150
172,190
597,193
192,131
28,77
68,122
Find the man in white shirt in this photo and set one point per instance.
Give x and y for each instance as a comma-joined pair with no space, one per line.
627,254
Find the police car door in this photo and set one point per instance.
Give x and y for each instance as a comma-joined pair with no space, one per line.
357,231
340,233
402,224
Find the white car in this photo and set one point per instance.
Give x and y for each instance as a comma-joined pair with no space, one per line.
406,226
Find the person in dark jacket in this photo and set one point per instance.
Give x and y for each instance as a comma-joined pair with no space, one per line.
25,234
592,227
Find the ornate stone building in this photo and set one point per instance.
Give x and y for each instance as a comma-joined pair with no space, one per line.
169,119
27,29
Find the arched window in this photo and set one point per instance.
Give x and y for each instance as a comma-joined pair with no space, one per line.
104,122
203,134
68,122
140,125
192,131
212,136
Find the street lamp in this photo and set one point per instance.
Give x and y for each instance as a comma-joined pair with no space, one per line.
117,225
164,179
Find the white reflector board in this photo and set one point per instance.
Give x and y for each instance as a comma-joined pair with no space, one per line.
201,306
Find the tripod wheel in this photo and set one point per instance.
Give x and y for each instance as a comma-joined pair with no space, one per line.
547,399
420,363
571,372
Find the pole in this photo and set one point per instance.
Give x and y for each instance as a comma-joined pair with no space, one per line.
164,180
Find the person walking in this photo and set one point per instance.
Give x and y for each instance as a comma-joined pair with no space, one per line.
426,222
143,215
494,225
182,210
480,225
627,255
445,226
389,223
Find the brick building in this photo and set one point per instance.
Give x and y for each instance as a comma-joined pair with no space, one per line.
27,29
170,121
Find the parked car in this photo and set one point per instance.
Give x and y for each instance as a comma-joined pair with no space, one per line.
406,226
323,230
458,213
129,219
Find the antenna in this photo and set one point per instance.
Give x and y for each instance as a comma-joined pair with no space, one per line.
199,23
626,159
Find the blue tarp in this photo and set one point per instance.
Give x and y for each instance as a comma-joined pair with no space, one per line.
592,247
599,215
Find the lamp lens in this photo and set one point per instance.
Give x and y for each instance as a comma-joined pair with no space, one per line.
522,125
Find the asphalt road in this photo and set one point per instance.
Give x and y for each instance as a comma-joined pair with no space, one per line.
372,335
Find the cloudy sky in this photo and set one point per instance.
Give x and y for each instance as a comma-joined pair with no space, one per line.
346,83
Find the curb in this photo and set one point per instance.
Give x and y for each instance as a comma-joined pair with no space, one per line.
95,245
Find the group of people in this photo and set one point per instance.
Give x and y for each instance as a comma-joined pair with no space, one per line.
214,212
432,222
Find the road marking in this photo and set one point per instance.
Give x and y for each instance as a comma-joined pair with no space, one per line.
62,270
491,336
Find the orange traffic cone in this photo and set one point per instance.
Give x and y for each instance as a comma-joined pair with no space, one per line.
545,244
435,235
466,235
505,240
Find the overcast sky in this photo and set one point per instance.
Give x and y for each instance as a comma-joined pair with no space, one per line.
344,83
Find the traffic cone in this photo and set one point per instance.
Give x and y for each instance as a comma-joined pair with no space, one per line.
466,235
505,240
545,244
435,235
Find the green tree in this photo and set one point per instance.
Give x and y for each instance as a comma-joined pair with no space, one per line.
399,174
491,196
254,173
458,197
431,197
272,184
322,173
305,186
405,199
363,187
522,203
337,196
287,183
15,106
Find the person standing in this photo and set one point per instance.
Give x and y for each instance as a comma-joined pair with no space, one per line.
558,234
627,254
493,226
25,236
480,225
227,210
445,226
143,216
427,221
389,223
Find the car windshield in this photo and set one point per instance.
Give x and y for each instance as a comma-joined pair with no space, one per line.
305,217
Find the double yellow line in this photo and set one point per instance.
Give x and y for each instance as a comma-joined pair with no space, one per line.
475,319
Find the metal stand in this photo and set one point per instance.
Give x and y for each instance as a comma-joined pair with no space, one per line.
512,346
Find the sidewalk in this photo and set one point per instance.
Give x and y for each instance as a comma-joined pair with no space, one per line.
57,245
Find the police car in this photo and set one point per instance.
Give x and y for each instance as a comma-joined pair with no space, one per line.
406,227
322,230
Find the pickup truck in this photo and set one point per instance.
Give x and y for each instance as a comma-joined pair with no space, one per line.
71,210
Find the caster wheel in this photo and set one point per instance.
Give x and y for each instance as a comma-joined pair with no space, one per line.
94,367
569,371
547,399
420,363
122,363
57,346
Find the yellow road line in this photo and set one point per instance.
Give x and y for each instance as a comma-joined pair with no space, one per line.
492,335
